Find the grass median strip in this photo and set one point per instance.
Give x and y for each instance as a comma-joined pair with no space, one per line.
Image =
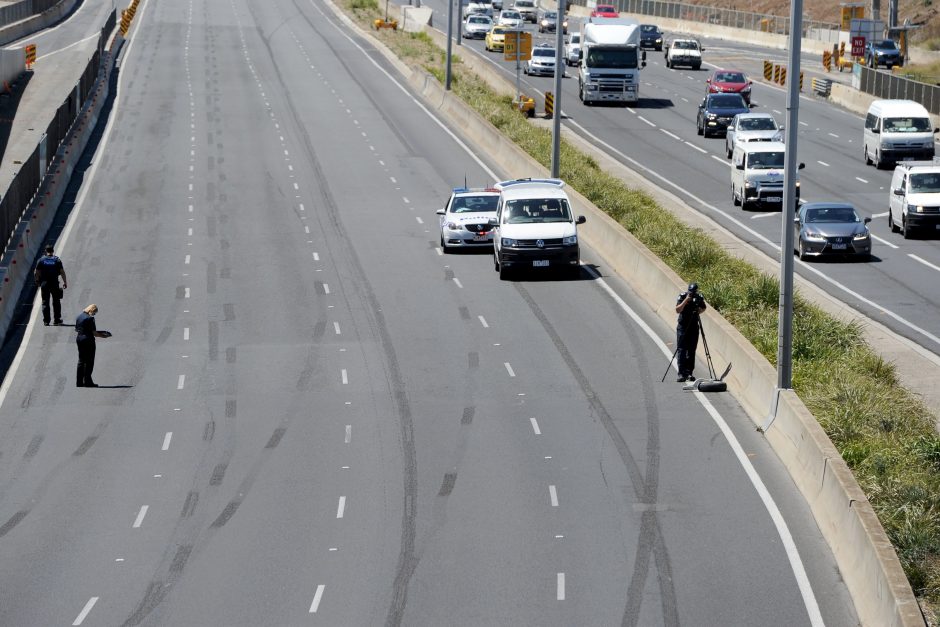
884,433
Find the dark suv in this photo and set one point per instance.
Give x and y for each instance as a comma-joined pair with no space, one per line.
716,111
651,37
885,52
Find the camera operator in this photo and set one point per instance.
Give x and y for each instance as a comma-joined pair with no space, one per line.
689,305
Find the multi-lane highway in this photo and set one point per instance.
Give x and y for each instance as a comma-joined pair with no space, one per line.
658,139
309,415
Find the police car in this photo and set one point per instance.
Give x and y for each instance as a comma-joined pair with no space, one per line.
465,219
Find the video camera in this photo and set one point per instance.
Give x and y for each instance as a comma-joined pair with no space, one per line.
698,301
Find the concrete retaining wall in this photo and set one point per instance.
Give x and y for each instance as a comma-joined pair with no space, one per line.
16,265
27,27
12,64
866,559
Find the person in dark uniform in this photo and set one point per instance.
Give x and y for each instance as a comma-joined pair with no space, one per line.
689,305
47,272
87,332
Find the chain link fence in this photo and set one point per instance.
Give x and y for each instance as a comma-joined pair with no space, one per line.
826,31
887,85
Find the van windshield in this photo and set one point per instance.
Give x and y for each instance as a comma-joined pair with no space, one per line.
765,160
925,183
906,125
536,210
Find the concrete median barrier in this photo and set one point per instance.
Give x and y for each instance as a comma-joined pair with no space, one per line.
867,561
36,23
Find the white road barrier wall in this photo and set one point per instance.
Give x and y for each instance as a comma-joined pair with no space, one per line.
866,559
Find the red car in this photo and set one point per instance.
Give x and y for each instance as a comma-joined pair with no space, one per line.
730,82
605,10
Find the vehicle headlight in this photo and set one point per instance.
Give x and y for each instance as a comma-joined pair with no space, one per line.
746,90
659,40
797,184
885,146
778,137
711,116
813,237
453,226
570,240
544,22
860,236
915,208
750,184
507,241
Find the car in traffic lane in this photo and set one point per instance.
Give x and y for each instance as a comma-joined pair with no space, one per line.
477,26
542,62
605,10
884,52
548,22
831,229
510,19
729,82
465,218
651,37
495,40
716,111
750,127
573,49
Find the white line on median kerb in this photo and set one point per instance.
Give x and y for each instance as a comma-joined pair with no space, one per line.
796,564
140,516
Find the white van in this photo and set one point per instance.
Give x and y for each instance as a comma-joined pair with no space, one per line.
914,200
535,227
897,130
757,174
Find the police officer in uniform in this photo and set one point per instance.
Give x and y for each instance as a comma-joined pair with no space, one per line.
689,305
87,332
47,272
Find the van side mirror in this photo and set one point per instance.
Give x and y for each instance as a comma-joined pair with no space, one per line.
898,191
936,130
493,222
866,220
876,130
740,166
796,220
581,220
801,166
642,64
439,212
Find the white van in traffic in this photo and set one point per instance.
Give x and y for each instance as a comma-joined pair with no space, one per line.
757,174
535,227
914,200
897,130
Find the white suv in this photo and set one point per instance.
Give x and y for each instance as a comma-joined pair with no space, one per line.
535,228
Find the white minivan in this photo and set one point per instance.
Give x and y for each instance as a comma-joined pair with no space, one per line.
897,130
914,201
757,174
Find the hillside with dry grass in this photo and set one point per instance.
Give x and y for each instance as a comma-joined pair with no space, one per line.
924,13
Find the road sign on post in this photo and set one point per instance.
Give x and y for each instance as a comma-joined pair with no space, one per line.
858,46
517,46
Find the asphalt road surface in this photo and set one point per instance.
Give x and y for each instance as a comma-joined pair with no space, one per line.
658,138
309,415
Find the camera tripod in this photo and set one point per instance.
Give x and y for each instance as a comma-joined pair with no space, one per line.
714,383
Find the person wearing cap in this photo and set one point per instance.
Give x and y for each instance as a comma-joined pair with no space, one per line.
47,272
87,332
689,305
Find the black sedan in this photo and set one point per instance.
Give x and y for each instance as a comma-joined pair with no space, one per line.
824,228
716,111
651,37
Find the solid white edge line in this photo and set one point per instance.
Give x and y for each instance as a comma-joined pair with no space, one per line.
48,31
317,596
923,261
84,613
808,268
535,426
783,531
71,45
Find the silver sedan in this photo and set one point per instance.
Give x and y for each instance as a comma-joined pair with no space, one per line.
465,218
477,26
824,228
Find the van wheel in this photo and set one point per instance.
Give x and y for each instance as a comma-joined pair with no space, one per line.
503,273
734,198
877,160
891,225
867,160
906,231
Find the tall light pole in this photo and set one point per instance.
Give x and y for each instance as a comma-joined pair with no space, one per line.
450,32
559,73
785,323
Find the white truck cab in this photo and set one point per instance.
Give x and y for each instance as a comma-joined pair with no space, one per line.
757,174
897,130
535,227
914,200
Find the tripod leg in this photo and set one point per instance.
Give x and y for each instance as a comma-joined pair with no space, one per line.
671,359
708,355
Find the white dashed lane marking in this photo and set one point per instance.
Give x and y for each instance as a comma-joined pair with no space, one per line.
535,426
822,163
509,369
860,179
317,596
336,328
181,382
166,441
553,495
84,613
561,587
924,261
344,376
140,516
483,322
348,437
341,508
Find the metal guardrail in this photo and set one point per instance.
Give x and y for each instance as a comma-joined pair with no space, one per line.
887,85
725,17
